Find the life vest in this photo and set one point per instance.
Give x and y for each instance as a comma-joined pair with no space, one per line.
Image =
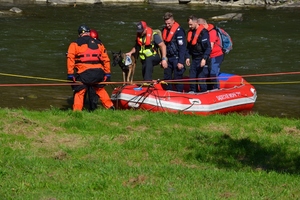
195,38
147,44
92,54
148,38
168,38
214,37
210,27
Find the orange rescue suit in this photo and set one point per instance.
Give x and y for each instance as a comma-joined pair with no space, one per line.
80,57
88,59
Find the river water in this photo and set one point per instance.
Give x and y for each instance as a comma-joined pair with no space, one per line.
34,43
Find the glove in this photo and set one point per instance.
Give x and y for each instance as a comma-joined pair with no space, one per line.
106,78
71,77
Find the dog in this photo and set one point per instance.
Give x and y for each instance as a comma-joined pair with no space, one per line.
128,71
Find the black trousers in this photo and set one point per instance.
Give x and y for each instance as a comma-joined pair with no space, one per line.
148,66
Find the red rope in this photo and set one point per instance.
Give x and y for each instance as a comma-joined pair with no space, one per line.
250,75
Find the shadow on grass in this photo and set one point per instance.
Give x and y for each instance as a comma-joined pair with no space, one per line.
226,152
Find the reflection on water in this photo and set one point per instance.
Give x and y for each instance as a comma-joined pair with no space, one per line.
34,44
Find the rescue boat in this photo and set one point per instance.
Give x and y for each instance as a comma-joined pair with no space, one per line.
235,95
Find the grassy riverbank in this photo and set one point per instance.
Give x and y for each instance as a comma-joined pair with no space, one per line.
140,155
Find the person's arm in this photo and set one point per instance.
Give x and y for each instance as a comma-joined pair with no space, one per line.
187,54
71,58
164,59
163,49
105,59
132,51
181,43
206,45
213,38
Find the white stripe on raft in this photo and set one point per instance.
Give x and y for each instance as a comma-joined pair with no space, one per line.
133,99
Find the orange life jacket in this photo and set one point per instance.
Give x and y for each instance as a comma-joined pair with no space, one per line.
148,38
168,38
210,27
195,38
92,54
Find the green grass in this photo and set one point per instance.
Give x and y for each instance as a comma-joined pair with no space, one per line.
57,155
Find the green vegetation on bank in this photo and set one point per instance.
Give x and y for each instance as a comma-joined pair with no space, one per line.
62,155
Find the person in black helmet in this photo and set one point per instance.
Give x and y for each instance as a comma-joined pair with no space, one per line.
89,63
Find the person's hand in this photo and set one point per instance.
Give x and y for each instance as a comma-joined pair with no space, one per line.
202,63
164,64
187,62
71,77
107,78
180,66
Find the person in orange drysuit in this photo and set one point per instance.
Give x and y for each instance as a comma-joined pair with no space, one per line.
89,63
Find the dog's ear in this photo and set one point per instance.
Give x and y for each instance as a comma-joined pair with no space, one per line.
120,52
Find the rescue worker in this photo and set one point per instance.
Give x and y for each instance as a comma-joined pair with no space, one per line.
93,104
175,39
198,47
89,63
216,55
148,43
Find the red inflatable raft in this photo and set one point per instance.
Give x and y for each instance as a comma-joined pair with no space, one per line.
235,95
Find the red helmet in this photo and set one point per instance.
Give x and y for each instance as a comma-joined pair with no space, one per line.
94,34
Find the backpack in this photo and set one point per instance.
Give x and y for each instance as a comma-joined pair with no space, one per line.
225,39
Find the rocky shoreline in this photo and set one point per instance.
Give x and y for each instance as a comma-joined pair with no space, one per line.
273,4
268,4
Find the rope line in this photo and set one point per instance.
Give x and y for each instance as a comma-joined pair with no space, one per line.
59,80
249,75
177,81
33,77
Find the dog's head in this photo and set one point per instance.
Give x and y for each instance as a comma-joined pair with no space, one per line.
117,57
